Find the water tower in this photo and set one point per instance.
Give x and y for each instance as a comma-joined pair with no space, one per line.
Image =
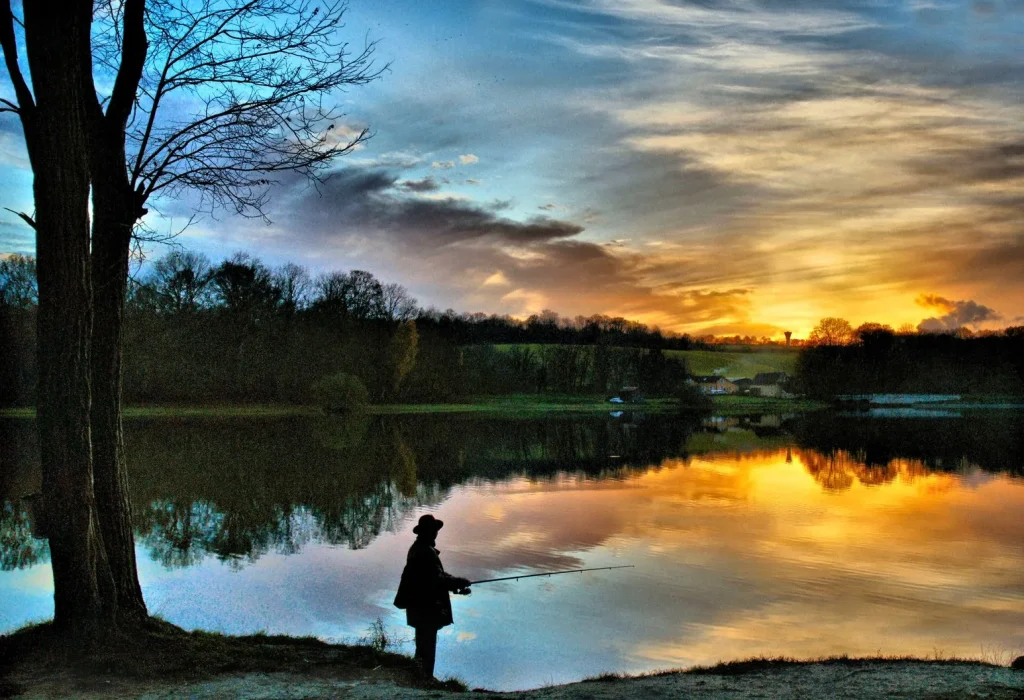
788,334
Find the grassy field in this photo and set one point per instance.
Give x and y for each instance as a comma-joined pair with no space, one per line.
728,364
736,364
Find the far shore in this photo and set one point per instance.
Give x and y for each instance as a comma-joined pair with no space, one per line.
522,405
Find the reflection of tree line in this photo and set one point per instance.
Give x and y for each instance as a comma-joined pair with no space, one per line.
837,470
237,489
19,476
876,451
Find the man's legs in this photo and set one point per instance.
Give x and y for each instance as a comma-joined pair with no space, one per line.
426,648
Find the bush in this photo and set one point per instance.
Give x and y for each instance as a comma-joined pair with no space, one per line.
690,399
340,393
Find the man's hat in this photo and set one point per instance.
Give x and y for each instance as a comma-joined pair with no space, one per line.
428,523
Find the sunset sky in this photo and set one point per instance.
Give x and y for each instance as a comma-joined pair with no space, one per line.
722,166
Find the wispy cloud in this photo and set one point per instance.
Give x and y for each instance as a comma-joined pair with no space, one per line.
828,157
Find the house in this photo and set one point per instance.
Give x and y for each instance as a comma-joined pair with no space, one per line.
743,384
770,384
713,384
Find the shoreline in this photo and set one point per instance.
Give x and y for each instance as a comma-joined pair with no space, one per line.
160,660
502,406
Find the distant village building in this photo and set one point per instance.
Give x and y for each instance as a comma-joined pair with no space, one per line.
743,385
713,384
770,384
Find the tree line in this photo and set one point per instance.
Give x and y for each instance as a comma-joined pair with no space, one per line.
875,359
241,331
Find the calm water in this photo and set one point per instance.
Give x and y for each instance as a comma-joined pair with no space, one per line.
800,536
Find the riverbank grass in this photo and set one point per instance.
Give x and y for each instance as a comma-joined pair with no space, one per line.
37,657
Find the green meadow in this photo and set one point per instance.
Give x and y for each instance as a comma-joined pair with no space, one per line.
737,364
727,363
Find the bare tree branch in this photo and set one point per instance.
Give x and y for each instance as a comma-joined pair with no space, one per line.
24,217
235,92
26,104
133,60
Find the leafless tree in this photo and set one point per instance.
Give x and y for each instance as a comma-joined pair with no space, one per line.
398,305
295,286
832,331
181,281
56,120
220,97
356,294
18,281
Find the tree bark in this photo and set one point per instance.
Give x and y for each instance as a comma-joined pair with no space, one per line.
115,211
110,247
57,136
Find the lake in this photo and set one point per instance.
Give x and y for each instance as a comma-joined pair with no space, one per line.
801,535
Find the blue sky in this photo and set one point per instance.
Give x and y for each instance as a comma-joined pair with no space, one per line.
717,166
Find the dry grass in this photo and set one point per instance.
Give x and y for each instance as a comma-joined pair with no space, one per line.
158,650
759,664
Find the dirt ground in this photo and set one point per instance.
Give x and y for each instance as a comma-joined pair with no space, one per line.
833,679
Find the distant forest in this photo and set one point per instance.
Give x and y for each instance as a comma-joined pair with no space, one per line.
880,361
240,331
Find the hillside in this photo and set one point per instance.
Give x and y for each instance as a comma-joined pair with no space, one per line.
728,364
737,364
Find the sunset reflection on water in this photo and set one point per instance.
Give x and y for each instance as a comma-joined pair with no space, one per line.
786,552
770,550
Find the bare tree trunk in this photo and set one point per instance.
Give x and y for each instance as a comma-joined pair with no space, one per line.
115,212
60,61
110,247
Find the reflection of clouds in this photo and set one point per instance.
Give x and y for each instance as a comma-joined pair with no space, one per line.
744,556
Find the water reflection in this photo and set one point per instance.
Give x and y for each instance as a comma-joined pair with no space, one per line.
801,535
238,489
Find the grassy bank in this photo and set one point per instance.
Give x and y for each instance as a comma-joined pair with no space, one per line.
160,651
161,660
528,405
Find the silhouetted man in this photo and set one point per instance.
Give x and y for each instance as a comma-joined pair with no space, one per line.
423,591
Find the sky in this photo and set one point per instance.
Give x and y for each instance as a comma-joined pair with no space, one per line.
716,166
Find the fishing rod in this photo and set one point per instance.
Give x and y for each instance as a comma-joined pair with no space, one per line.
550,573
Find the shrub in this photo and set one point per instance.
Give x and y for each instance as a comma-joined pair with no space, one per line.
340,393
690,399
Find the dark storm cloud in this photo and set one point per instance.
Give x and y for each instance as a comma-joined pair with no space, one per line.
358,199
492,261
426,184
